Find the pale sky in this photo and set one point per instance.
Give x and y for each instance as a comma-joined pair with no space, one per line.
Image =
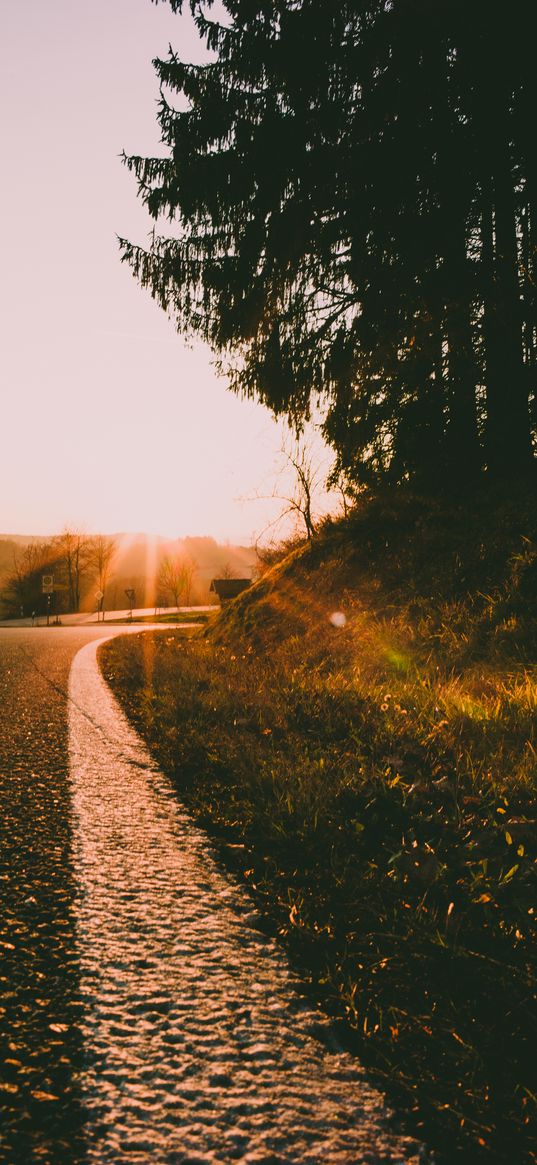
109,421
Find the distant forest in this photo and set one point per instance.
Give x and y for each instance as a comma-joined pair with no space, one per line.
160,572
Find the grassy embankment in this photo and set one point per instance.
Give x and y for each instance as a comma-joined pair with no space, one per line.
373,784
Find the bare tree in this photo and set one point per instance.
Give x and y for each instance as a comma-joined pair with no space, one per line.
300,481
189,570
175,578
35,556
169,579
102,553
76,551
347,490
307,479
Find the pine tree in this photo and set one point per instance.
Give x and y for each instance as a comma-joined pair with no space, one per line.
353,195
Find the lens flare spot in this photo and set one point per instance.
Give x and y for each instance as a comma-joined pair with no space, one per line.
397,660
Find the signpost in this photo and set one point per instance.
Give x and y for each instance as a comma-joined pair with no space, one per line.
131,595
47,586
99,595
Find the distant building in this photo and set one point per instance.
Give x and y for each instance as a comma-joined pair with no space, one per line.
229,588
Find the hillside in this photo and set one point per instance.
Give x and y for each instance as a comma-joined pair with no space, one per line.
358,733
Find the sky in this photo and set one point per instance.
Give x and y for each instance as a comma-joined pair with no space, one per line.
110,421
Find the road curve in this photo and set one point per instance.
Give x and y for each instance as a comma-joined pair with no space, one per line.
146,1020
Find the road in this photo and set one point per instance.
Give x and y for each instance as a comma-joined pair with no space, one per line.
144,1017
40,1043
91,617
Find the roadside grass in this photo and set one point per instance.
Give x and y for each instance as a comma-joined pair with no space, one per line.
179,617
372,780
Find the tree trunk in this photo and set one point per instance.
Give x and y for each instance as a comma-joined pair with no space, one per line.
431,444
508,439
508,435
464,455
464,450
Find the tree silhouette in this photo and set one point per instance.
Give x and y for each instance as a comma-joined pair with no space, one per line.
103,550
175,577
353,194
75,549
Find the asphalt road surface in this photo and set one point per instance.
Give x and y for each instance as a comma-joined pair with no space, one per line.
40,1042
143,1016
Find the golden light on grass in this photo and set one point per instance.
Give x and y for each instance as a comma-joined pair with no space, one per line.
148,655
456,700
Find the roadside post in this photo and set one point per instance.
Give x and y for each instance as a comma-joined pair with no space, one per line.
99,595
131,595
47,586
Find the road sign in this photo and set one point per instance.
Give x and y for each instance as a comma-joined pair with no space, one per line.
99,595
47,584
